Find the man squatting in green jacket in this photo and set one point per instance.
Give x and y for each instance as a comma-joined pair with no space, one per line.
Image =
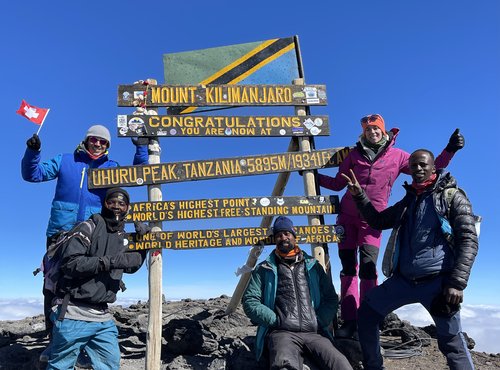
293,301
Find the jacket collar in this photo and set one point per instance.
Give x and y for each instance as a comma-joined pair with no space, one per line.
82,153
391,141
271,263
444,180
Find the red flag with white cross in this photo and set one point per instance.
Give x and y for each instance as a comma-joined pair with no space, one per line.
34,114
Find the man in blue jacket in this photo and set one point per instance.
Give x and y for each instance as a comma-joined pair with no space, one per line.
425,263
73,202
293,301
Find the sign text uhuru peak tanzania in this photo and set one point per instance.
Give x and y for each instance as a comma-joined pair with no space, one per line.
217,168
220,95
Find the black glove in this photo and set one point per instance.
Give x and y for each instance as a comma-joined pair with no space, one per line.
457,142
141,228
34,142
138,141
441,308
121,261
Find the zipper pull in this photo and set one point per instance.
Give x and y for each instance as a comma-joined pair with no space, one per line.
83,176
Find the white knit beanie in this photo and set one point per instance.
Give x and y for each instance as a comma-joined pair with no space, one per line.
99,131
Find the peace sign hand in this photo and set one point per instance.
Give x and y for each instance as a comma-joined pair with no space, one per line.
352,183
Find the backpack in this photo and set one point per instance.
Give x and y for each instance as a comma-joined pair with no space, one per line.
52,259
449,193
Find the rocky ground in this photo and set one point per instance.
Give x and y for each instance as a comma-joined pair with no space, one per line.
197,335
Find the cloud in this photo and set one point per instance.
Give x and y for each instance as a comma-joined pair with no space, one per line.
20,308
17,309
480,322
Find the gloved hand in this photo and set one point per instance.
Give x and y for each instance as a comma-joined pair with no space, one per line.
121,261
138,141
141,228
441,308
34,142
457,142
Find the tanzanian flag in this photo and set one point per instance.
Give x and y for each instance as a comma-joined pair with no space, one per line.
275,61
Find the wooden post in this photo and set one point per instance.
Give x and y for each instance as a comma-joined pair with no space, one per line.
155,322
155,319
317,250
279,188
153,345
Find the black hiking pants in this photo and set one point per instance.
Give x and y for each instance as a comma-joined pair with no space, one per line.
287,350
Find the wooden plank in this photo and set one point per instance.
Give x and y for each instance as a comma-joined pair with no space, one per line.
236,237
221,126
175,210
213,169
220,95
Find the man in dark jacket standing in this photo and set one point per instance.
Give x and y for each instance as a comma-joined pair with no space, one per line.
424,263
92,265
293,301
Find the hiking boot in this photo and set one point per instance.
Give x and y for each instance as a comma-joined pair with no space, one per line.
83,360
45,355
349,329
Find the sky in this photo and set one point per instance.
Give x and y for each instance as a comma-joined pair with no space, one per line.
428,67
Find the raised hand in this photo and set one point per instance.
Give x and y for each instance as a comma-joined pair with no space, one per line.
352,183
456,142
138,141
34,142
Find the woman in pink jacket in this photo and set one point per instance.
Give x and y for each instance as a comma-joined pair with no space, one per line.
376,164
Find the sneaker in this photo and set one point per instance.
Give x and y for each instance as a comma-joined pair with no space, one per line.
83,360
45,355
349,329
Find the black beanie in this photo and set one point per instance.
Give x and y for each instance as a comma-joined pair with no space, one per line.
113,191
283,223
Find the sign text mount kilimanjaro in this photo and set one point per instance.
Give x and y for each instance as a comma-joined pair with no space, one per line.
221,95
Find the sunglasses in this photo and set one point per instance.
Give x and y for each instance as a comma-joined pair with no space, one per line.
95,140
370,118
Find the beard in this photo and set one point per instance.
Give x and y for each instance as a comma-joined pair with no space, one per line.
285,246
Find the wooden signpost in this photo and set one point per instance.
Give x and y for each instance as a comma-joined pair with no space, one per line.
299,127
225,238
163,173
221,126
220,95
175,210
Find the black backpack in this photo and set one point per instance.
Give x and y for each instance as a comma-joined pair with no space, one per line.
51,262
52,258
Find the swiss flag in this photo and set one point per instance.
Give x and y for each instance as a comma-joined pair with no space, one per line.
34,114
